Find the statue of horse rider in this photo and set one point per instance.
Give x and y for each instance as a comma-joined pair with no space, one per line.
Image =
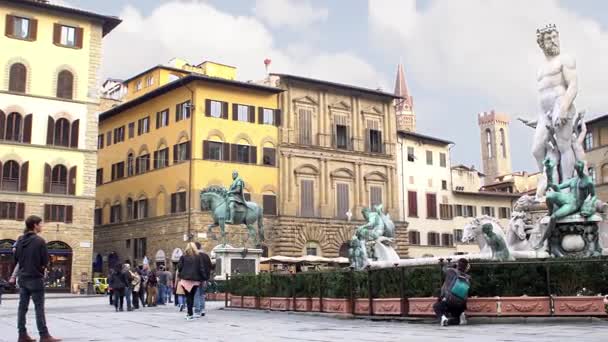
236,196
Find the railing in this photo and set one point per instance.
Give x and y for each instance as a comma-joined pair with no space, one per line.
59,188
10,184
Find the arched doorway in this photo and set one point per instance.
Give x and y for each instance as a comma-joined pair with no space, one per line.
60,266
160,258
344,250
6,258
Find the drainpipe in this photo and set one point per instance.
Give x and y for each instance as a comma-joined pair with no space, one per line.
402,188
190,157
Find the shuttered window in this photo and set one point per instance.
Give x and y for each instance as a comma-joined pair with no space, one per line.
270,204
181,152
67,36
12,211
58,213
216,109
99,177
118,170
98,216
178,202
429,157
305,126
161,158
447,240
269,157
412,203
431,206
442,160
131,130
65,84
162,118
182,111
446,211
100,141
307,201
15,127
490,211
142,163
21,28
504,212
375,196
342,199
115,213
413,237
17,78
143,125
119,134
433,239
458,235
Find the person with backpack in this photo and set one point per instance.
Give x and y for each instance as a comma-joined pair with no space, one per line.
452,302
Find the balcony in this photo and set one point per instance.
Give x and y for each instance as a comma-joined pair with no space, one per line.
10,184
60,188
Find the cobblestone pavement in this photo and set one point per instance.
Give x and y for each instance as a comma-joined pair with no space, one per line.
92,319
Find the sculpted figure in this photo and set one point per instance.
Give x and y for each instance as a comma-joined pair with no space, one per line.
557,87
497,244
236,196
379,230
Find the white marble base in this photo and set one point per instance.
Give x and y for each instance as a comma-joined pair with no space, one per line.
235,260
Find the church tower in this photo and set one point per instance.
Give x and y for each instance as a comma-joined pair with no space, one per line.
495,145
404,107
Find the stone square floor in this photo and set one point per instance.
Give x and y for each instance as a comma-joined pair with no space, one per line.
92,319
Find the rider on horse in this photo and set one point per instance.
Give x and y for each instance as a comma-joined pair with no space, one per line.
235,196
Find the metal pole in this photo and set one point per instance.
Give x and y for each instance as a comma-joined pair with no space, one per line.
351,293
369,291
293,292
227,291
404,308
320,292
548,280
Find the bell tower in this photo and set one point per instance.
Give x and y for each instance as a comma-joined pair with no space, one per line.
495,144
404,107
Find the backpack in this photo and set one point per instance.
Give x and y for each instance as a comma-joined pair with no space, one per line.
458,289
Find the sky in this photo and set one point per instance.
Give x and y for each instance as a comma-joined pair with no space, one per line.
460,57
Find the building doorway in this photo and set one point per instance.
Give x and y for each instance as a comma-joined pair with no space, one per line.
6,258
60,267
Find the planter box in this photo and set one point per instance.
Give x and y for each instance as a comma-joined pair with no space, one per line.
303,304
336,305
264,303
249,302
421,306
387,306
525,306
235,302
579,306
315,304
279,303
362,306
482,306
215,296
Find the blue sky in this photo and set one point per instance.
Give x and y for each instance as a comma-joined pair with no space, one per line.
460,57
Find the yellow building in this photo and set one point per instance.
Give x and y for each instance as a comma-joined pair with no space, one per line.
181,129
48,127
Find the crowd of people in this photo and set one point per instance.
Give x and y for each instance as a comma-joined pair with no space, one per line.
142,286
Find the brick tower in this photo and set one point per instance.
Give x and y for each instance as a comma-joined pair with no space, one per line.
495,145
404,107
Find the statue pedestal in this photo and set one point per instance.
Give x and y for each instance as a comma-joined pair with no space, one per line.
230,260
575,236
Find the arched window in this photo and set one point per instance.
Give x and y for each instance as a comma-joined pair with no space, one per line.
59,180
130,161
591,171
344,250
62,132
17,78
13,127
140,208
10,176
65,84
503,144
129,208
313,248
489,143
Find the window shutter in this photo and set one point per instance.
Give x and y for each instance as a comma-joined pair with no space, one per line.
251,114
277,117
380,142
173,202
145,203
334,135
233,152
188,150
260,115
27,129
367,140
157,120
72,181
207,107
74,137
68,213
50,131
177,112
182,201
253,154
156,159
348,139
23,177
0,172
412,202
226,151
224,110
235,111
175,154
47,178
205,150
56,34
20,211
2,124
8,31
79,33
47,212
166,155
33,29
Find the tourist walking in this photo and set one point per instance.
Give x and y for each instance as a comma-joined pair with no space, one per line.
162,285
191,272
144,273
168,286
199,299
136,286
126,270
32,256
152,289
119,282
180,295
452,302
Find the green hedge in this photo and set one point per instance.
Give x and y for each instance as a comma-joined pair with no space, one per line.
489,279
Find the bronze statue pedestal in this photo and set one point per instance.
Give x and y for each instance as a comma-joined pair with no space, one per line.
574,236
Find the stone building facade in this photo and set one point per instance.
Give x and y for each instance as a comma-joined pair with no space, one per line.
48,131
596,153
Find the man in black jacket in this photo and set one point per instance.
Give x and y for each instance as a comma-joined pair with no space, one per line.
32,256
199,299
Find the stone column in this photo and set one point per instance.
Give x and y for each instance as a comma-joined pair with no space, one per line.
290,116
355,122
289,172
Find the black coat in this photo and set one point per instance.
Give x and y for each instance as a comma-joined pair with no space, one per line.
207,265
191,267
32,256
118,280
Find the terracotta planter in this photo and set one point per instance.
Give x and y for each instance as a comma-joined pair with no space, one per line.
303,304
249,302
525,306
579,306
336,305
264,303
482,306
279,303
387,306
362,306
315,304
421,306
236,302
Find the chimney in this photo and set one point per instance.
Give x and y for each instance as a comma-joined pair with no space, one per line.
267,62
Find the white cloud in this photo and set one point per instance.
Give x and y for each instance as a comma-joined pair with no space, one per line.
197,31
293,14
